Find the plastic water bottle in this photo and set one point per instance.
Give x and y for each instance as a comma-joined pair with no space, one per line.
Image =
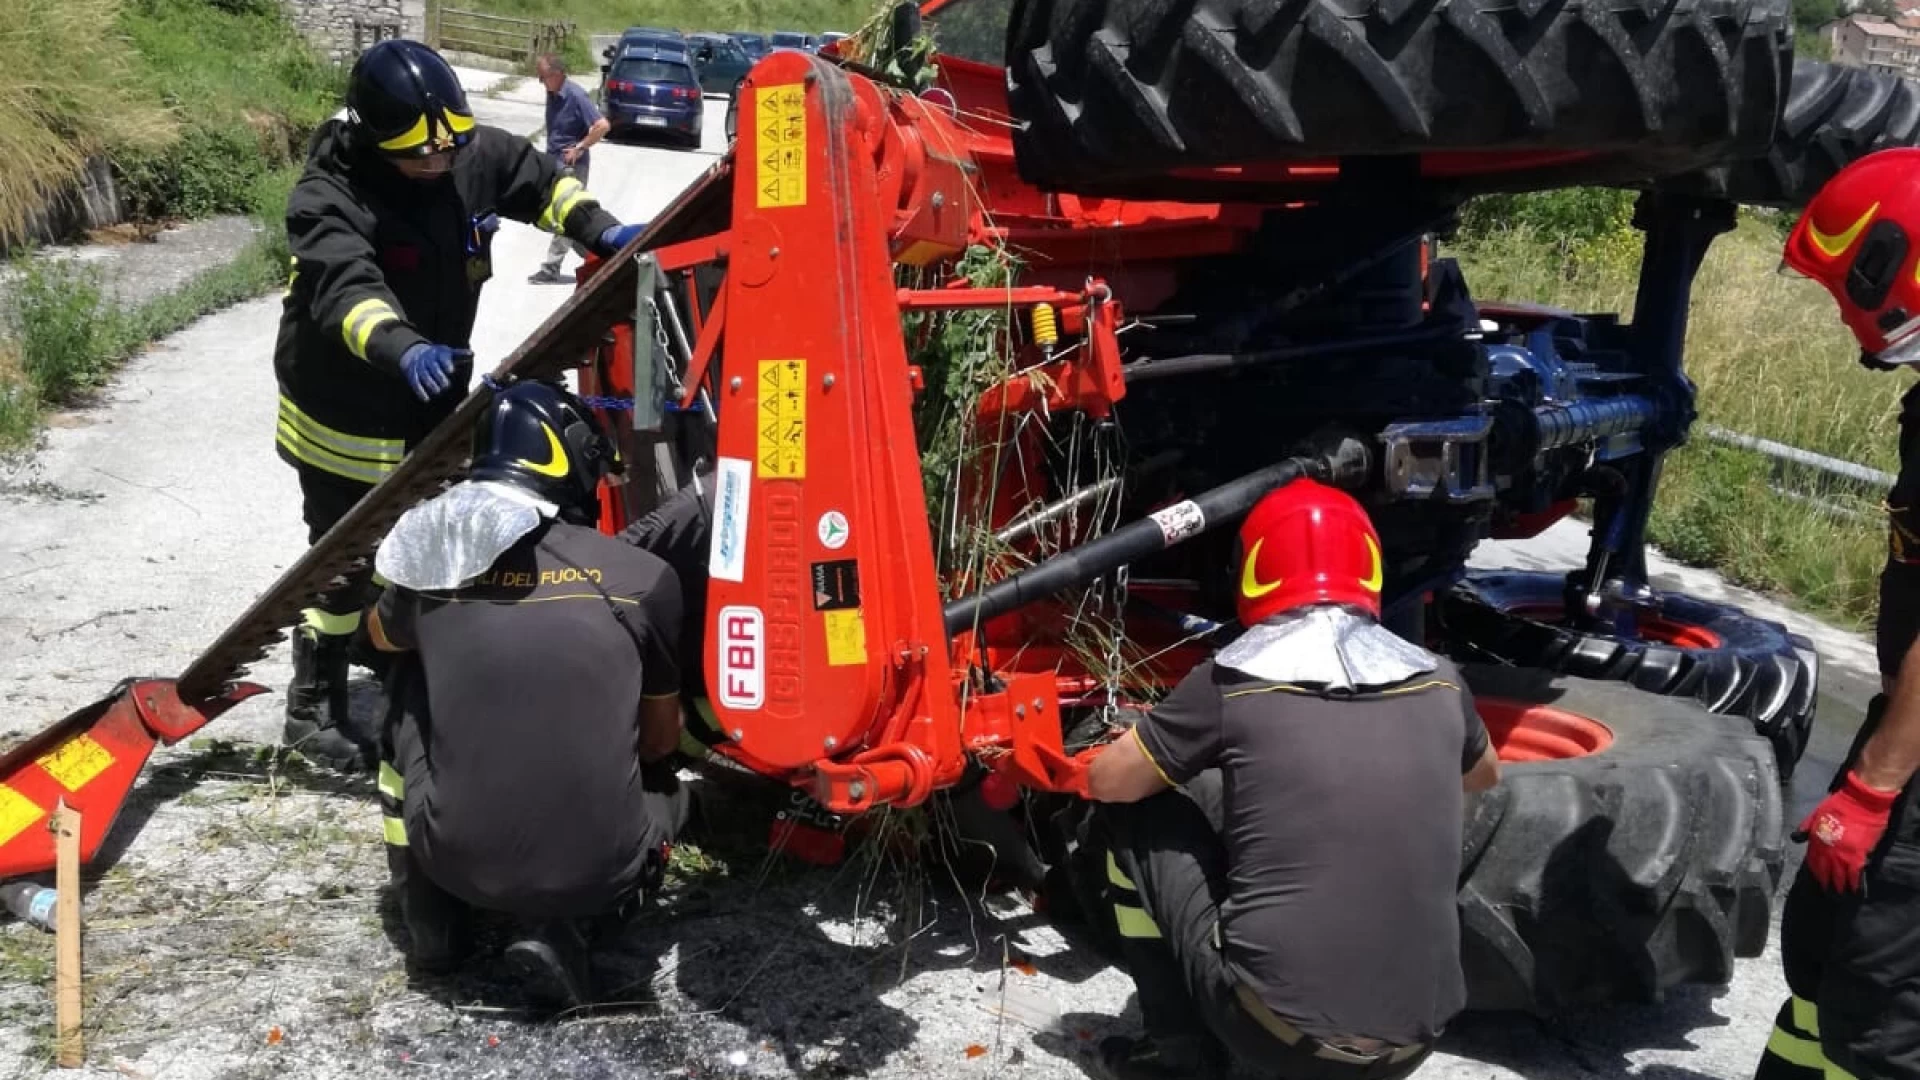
29,902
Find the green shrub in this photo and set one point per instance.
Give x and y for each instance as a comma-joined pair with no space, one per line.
1571,217
60,321
19,403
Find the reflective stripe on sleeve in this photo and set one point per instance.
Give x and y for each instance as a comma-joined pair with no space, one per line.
1118,876
568,192
395,830
357,328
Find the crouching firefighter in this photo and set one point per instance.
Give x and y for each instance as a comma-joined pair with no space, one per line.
1850,929
539,691
1284,829
391,227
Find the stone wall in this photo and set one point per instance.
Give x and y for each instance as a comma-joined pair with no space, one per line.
343,28
93,202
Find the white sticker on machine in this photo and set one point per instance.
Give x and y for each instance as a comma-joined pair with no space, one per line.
743,657
727,557
1179,521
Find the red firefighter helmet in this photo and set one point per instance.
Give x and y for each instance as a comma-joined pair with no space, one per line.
1307,543
1860,238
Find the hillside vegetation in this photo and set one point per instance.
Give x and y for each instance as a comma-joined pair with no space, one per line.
1770,358
611,16
202,107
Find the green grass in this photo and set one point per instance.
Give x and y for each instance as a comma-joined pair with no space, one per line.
65,93
248,91
63,337
612,16
1770,358
193,101
203,107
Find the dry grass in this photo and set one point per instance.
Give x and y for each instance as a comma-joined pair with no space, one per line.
1770,358
66,93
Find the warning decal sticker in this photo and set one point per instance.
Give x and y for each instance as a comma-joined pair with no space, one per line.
780,118
846,638
783,420
77,761
16,813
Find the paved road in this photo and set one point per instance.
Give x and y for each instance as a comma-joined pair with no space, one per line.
154,517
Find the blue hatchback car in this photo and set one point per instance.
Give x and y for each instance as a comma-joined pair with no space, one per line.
654,91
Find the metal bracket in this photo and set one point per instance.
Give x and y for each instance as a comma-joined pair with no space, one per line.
650,356
1444,457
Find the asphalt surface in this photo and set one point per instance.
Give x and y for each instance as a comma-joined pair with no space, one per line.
153,517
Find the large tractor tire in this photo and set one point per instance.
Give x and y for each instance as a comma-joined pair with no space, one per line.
1729,661
1834,115
1633,844
1108,91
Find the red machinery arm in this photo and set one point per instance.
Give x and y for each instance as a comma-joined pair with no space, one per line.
828,659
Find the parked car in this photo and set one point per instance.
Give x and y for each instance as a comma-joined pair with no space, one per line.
754,45
792,39
829,38
656,37
656,91
720,60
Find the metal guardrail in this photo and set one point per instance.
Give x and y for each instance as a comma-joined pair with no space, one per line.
1863,483
502,36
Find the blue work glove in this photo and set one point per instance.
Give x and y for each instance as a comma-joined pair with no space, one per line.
616,237
429,368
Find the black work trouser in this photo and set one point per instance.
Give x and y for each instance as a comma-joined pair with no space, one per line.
404,738
324,500
1167,875
1853,963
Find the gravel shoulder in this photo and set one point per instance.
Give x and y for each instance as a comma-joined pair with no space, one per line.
237,928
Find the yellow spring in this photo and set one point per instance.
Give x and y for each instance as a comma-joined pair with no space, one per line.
1046,326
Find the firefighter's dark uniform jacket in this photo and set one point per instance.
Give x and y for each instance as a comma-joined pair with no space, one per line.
1853,961
382,263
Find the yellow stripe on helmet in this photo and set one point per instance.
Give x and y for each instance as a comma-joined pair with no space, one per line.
410,138
1834,245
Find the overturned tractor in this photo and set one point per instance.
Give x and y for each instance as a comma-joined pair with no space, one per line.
986,350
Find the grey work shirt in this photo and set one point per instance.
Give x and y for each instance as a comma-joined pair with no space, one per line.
1342,829
570,113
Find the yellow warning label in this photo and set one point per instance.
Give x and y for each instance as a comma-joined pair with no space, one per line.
783,419
77,761
846,638
16,813
780,117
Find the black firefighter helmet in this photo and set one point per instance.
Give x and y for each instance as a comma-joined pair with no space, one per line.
407,101
539,438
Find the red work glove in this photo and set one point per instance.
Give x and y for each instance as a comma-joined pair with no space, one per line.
1843,830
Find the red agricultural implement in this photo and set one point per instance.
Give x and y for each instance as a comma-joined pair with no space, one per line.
1218,284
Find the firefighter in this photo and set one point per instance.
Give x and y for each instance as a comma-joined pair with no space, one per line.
391,227
542,687
1850,930
1283,831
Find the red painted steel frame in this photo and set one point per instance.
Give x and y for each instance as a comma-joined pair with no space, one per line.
90,760
825,651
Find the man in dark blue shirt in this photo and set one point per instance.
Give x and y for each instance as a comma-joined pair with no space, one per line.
573,125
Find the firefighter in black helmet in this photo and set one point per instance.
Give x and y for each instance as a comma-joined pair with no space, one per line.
391,227
538,702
